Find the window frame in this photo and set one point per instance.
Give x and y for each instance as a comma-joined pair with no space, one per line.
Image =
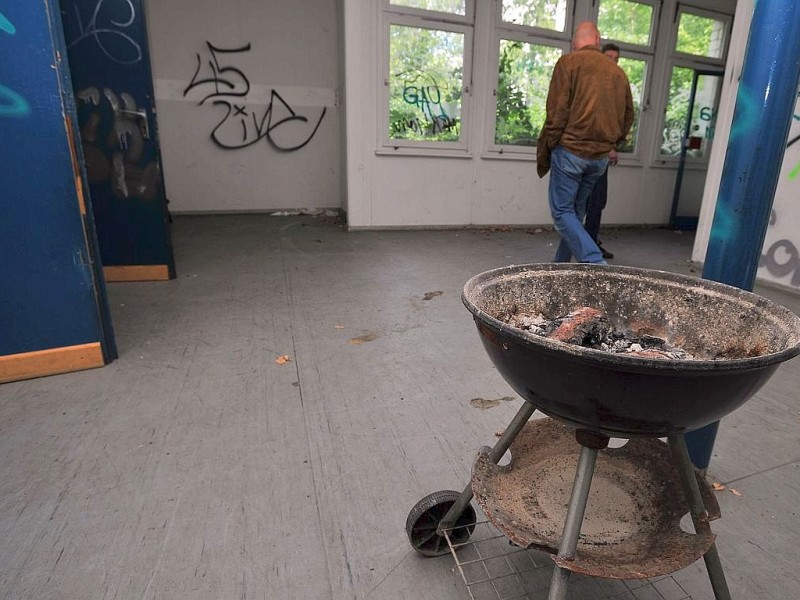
466,19
690,61
655,19
491,147
700,12
647,53
435,21
637,155
527,34
569,24
483,29
674,159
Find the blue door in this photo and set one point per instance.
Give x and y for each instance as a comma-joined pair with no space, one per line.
110,68
54,313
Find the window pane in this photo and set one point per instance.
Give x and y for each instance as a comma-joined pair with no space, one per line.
625,21
546,14
523,81
636,70
680,88
457,7
704,114
425,81
701,36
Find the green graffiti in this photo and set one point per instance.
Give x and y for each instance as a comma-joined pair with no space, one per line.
794,172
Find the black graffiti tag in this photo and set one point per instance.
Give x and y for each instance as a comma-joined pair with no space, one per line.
790,266
241,126
226,76
263,127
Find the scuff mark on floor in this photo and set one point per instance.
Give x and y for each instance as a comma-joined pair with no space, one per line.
431,295
484,404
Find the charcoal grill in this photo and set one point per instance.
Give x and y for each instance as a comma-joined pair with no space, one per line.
736,340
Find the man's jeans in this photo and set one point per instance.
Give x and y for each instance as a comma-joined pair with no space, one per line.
572,179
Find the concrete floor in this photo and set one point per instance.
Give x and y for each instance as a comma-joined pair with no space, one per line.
197,467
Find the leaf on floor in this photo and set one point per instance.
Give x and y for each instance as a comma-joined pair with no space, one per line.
736,492
718,487
338,326
283,359
431,295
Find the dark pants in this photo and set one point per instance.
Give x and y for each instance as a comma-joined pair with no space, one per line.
595,205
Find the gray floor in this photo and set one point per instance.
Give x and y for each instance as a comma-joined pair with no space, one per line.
197,467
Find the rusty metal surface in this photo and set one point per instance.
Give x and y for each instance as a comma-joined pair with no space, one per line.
632,525
737,339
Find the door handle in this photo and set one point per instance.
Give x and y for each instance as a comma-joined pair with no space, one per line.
140,116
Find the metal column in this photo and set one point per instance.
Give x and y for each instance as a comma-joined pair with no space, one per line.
762,116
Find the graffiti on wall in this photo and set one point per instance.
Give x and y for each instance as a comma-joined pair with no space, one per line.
424,93
12,104
702,128
107,26
217,79
782,259
113,151
795,171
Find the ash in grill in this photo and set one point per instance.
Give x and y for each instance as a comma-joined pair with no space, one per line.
590,328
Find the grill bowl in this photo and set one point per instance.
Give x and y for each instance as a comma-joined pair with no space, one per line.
738,340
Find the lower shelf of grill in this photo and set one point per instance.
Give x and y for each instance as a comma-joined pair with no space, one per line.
632,525
495,569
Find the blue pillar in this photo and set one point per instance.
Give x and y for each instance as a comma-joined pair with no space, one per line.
762,116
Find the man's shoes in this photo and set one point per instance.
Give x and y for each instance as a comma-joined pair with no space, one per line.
606,253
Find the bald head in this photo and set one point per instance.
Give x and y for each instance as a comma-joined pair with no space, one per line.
586,34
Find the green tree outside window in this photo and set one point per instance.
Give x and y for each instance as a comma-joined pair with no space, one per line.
523,81
545,14
636,71
700,36
625,21
425,83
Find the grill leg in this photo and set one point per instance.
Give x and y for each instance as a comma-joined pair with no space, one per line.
590,445
572,525
509,435
691,490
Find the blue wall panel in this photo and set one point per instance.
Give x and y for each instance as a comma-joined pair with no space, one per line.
47,291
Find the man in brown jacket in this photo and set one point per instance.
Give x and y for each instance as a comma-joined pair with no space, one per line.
589,112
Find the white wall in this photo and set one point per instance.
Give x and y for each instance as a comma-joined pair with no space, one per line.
294,50
477,188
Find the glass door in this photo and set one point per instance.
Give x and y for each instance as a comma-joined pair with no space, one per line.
696,106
